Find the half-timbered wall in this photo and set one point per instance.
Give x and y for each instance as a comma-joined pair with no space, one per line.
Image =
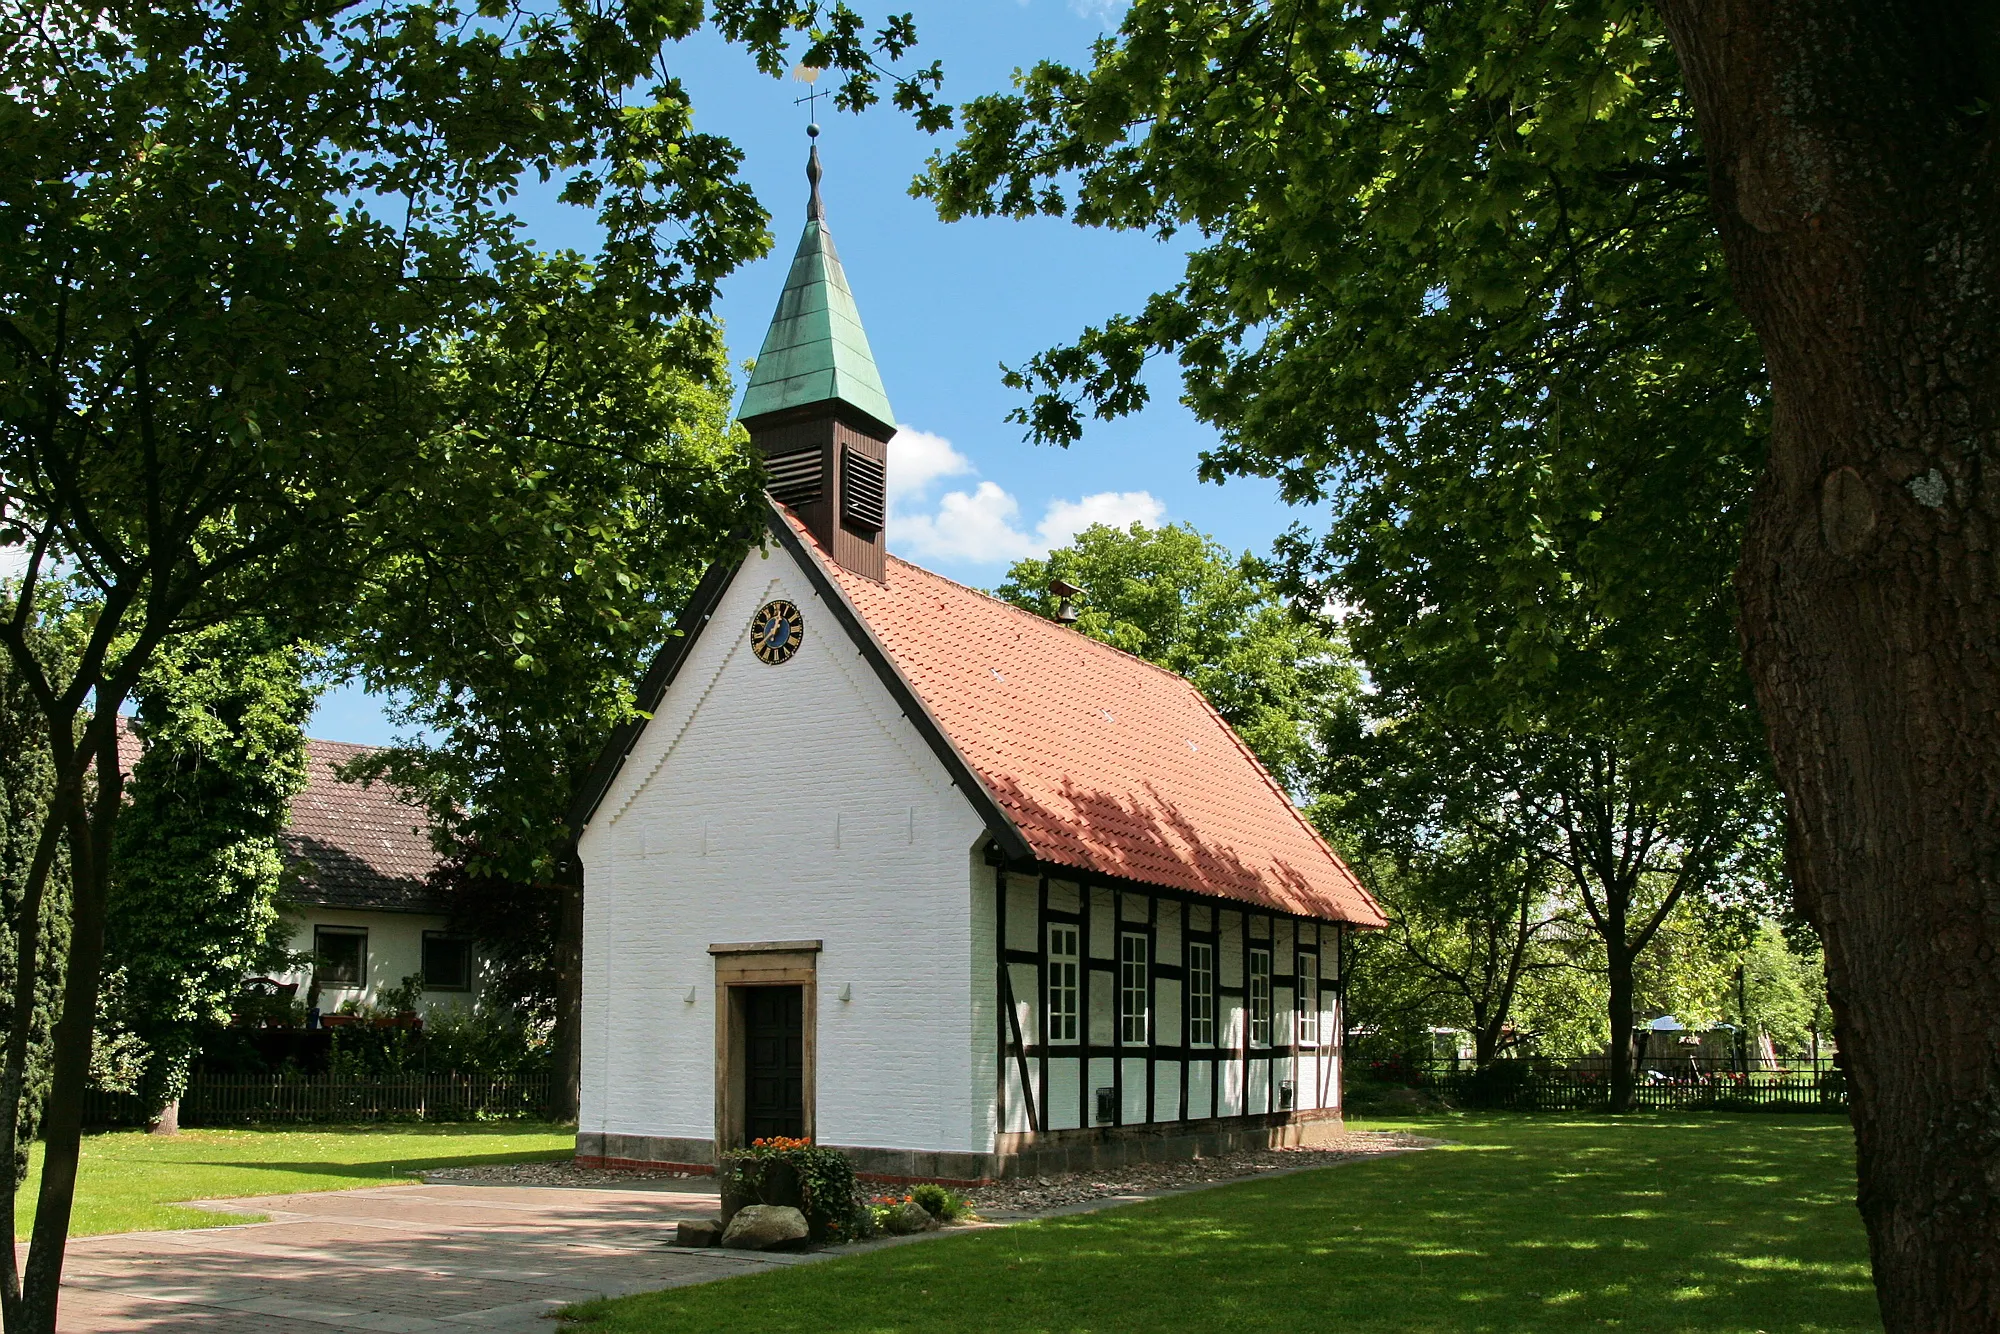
1173,1060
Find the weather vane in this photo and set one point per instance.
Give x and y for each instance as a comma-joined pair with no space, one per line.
809,76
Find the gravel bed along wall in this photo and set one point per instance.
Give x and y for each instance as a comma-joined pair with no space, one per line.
1032,1195
565,1172
1024,1195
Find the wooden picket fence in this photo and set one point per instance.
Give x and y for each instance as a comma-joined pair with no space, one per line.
1791,1085
225,1100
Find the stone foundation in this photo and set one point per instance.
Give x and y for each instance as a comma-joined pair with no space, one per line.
1015,1155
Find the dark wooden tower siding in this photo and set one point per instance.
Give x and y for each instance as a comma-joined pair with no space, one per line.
829,465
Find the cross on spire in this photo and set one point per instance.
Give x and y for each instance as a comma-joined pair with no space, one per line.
809,76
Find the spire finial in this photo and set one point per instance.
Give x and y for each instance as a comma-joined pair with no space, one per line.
809,76
815,209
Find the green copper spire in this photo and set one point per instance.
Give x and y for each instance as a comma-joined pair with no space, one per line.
816,351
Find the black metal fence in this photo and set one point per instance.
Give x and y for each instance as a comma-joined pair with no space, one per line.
1689,1083
225,1100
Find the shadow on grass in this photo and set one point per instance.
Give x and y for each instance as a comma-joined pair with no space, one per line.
401,1168
1526,1224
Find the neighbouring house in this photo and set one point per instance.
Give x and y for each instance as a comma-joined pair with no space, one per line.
360,910
925,877
363,909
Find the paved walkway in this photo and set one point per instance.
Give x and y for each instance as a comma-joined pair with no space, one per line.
393,1260
425,1259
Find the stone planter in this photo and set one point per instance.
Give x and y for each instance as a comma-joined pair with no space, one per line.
777,1183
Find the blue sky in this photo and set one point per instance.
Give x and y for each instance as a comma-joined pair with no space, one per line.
944,306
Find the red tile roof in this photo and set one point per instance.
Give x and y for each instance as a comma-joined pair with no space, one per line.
1103,761
353,845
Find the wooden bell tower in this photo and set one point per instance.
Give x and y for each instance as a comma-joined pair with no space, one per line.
816,409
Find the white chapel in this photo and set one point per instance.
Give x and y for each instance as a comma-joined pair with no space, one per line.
925,877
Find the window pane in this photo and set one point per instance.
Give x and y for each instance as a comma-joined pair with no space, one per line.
1062,977
1201,994
1308,994
447,962
339,957
1134,998
1260,998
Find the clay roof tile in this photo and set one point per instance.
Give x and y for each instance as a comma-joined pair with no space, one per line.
1104,762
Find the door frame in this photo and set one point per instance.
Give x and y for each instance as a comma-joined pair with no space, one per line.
760,963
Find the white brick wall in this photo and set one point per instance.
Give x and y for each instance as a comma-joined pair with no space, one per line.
781,803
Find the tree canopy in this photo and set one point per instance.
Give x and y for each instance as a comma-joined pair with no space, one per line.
1455,276
197,867
253,268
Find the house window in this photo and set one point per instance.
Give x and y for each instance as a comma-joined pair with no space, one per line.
447,962
1134,995
1260,998
1201,994
340,956
1308,994
1062,983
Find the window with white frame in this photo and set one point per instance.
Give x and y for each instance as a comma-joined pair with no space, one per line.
1201,993
1134,992
1307,990
1260,997
1062,982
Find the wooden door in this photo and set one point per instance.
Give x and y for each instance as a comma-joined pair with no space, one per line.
774,1048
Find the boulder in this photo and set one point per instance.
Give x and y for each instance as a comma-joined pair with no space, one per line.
908,1217
763,1227
704,1233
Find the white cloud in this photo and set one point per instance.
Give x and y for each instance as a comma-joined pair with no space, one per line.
1121,509
983,526
918,458
13,561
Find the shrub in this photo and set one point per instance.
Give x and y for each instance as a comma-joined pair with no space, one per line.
944,1205
825,1179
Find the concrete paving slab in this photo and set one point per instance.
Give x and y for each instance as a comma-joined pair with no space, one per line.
418,1259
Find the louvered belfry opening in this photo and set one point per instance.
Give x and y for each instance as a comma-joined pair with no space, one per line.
832,470
798,477
815,407
864,490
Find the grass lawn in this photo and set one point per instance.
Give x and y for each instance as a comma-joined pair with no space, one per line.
1529,1223
130,1181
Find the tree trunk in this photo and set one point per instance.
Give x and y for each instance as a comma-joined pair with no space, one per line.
1485,1042
1852,158
168,1122
567,1040
1619,975
62,1124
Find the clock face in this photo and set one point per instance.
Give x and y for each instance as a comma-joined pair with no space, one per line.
776,631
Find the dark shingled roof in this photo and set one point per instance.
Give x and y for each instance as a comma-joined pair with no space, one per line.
353,845
361,847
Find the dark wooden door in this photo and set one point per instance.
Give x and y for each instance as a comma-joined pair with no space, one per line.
774,1045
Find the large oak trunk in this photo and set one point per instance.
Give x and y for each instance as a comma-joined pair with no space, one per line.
1624,1059
1851,151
